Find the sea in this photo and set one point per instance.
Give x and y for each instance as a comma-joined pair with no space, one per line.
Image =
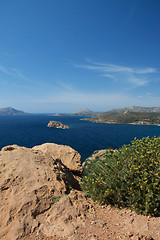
83,136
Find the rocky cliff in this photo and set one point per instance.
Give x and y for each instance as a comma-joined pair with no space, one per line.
40,199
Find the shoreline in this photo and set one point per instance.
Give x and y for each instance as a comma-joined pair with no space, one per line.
112,122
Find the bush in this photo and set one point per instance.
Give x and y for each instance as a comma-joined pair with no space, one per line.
127,177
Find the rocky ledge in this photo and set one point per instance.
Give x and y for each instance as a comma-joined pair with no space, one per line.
55,124
41,199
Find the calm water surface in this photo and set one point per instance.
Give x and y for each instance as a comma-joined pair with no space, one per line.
84,136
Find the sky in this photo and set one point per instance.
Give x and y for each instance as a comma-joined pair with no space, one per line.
59,56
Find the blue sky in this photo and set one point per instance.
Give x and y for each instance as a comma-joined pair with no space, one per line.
64,55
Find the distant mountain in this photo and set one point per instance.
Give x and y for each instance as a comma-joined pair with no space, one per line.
135,109
10,111
83,112
131,115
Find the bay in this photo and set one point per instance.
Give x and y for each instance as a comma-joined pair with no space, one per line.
83,136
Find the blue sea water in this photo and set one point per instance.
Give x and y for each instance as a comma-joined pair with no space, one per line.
83,136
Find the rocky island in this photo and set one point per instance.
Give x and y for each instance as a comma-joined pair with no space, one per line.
56,124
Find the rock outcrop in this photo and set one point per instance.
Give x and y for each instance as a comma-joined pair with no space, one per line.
40,199
55,124
30,183
68,156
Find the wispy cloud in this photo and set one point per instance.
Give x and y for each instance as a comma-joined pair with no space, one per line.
137,81
134,76
19,74
65,86
118,68
102,98
4,70
15,73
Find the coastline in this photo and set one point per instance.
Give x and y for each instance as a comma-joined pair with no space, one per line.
113,122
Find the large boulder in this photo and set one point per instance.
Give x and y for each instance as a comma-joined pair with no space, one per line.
69,157
30,183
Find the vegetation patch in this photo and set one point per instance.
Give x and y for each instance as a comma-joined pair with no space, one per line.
146,118
127,177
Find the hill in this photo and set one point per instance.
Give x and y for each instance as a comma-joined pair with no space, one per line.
11,111
135,109
138,115
83,112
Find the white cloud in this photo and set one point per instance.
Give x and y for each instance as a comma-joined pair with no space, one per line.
109,76
145,70
19,74
16,73
117,68
136,77
4,70
138,81
65,86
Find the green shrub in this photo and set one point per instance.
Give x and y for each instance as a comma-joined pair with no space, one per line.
127,177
